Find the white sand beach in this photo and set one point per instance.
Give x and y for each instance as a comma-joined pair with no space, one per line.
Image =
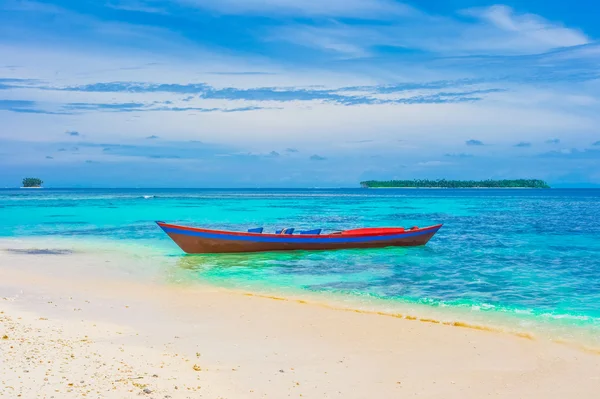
69,334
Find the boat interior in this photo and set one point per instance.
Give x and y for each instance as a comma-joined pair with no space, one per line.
290,231
287,231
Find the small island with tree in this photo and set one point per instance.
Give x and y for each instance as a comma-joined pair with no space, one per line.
443,183
32,182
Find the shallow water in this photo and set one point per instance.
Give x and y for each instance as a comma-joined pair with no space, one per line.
527,256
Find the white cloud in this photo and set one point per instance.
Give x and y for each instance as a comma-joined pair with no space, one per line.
526,32
26,5
137,5
364,9
315,8
338,38
496,30
434,163
513,116
530,26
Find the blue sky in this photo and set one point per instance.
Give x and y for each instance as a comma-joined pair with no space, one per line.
282,93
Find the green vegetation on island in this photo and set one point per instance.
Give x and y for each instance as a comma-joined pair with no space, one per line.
30,182
443,183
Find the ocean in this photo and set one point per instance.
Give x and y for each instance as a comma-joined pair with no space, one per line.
521,259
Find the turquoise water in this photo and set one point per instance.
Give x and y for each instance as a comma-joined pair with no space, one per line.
529,254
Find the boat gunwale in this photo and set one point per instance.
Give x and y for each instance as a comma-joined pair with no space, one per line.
298,236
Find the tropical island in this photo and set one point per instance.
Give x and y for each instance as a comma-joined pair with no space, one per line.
32,182
443,183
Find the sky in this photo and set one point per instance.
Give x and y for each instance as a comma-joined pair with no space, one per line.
298,93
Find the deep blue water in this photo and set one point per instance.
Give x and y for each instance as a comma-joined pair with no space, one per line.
529,253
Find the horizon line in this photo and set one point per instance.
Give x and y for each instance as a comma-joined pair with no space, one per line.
558,186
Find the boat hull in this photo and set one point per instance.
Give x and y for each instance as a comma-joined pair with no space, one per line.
198,241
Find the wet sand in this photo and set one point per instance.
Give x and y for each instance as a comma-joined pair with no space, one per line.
68,332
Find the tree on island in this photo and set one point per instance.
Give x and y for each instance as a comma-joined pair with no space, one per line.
32,182
443,183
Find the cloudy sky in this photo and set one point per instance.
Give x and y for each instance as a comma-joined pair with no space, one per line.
297,93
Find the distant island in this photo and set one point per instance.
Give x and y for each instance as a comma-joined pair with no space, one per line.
443,183
32,182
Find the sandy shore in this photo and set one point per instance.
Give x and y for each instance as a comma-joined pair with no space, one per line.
66,334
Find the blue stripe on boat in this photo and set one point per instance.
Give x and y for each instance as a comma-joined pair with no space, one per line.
295,239
315,232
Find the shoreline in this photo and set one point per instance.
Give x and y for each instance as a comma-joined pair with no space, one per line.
119,261
121,339
73,329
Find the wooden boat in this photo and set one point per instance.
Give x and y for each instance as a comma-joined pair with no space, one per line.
196,241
